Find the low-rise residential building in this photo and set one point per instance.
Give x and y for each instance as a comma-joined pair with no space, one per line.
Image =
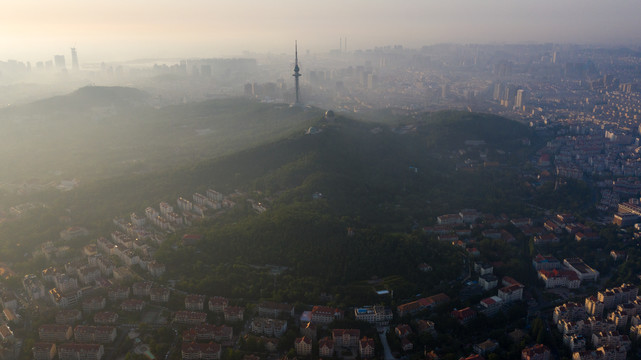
619,295
347,338
548,262
94,303
217,304
33,286
73,351
159,294
95,334
44,351
268,327
377,315
511,293
425,326
483,268
366,348
208,332
422,304
464,316
141,289
575,342
105,318
488,281
156,268
68,317
593,306
570,311
582,270
609,352
190,317
195,302
116,293
324,315
275,310
132,305
193,350
402,330
55,332
88,274
449,219
536,352
65,299
490,306
65,283
303,346
486,347
559,278
234,313
326,347
6,334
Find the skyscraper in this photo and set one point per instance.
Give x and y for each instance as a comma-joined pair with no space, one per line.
59,61
296,74
74,60
498,90
518,102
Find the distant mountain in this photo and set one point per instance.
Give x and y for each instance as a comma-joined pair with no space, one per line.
86,98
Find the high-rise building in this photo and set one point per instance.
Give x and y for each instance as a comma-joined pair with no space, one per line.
498,89
59,61
74,60
518,102
445,91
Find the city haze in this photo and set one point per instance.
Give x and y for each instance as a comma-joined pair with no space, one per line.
122,30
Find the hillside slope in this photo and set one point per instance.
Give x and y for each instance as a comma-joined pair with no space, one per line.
380,182
99,132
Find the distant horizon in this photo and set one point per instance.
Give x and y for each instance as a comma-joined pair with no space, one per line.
31,30
85,58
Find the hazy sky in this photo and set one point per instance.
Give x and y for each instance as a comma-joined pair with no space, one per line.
33,30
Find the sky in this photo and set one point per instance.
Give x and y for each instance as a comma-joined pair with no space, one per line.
116,30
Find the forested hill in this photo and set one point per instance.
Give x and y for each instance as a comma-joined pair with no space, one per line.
381,182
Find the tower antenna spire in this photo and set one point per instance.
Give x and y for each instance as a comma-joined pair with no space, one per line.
296,74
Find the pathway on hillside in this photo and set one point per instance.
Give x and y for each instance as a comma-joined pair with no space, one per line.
388,352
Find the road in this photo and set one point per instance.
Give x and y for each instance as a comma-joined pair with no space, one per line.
388,352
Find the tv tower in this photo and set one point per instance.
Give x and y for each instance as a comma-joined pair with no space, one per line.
296,74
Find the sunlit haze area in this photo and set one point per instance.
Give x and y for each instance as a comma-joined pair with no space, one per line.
330,179
33,30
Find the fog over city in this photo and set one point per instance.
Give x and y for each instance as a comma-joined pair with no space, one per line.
333,179
32,30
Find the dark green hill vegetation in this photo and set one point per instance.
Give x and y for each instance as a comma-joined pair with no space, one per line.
451,129
382,183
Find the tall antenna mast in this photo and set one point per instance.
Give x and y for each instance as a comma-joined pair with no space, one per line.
296,74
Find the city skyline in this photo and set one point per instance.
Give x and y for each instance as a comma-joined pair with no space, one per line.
119,30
